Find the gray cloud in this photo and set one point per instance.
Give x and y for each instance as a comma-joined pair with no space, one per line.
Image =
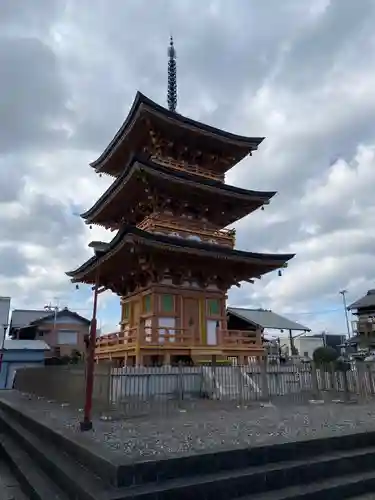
299,73
12,262
11,178
16,14
320,45
42,219
32,97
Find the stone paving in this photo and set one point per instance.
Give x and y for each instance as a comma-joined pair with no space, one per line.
9,487
187,433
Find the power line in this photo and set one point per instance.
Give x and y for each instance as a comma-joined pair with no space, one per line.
322,311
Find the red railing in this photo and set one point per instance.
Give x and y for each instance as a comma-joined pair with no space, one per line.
222,236
188,167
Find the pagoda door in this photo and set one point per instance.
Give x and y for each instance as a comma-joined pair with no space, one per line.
136,313
191,318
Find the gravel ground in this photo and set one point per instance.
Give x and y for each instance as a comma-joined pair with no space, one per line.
9,487
185,433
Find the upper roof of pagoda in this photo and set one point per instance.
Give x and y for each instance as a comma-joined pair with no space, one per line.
124,256
150,128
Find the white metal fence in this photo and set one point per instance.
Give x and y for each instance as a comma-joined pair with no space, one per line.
138,390
134,391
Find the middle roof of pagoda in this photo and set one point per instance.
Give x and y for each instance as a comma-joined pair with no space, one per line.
149,126
127,200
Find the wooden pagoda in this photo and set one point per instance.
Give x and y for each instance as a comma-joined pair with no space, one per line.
171,261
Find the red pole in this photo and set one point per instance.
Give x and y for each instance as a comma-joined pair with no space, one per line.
86,424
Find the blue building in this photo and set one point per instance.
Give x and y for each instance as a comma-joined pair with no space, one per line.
20,354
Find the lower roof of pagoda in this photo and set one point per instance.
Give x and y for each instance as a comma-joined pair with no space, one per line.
132,250
127,200
147,118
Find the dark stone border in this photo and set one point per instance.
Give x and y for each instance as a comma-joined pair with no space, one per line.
120,471
93,456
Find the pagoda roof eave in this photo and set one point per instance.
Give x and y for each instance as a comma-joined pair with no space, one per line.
177,176
142,102
138,236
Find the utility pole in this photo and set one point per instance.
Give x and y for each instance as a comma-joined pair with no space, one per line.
5,327
343,293
324,336
53,309
86,423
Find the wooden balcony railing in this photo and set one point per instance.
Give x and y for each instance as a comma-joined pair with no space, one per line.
112,341
144,337
163,337
240,338
364,326
222,236
187,167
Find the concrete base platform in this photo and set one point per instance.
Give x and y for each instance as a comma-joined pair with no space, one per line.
79,466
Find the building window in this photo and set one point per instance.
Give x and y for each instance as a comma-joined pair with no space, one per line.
67,337
147,303
213,307
126,310
167,303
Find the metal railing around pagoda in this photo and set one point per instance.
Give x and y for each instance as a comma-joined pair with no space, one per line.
173,337
187,167
133,391
223,236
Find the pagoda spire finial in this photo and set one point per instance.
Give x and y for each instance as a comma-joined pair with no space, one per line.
172,77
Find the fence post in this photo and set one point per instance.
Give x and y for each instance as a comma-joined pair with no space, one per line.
214,380
240,385
107,384
370,379
323,377
180,385
346,386
203,384
264,379
148,381
314,381
332,374
361,378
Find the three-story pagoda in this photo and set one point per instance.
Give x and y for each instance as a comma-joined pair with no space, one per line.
171,261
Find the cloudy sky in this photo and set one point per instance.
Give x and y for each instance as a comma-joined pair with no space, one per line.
301,73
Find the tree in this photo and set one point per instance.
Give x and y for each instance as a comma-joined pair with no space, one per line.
75,357
342,364
325,355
